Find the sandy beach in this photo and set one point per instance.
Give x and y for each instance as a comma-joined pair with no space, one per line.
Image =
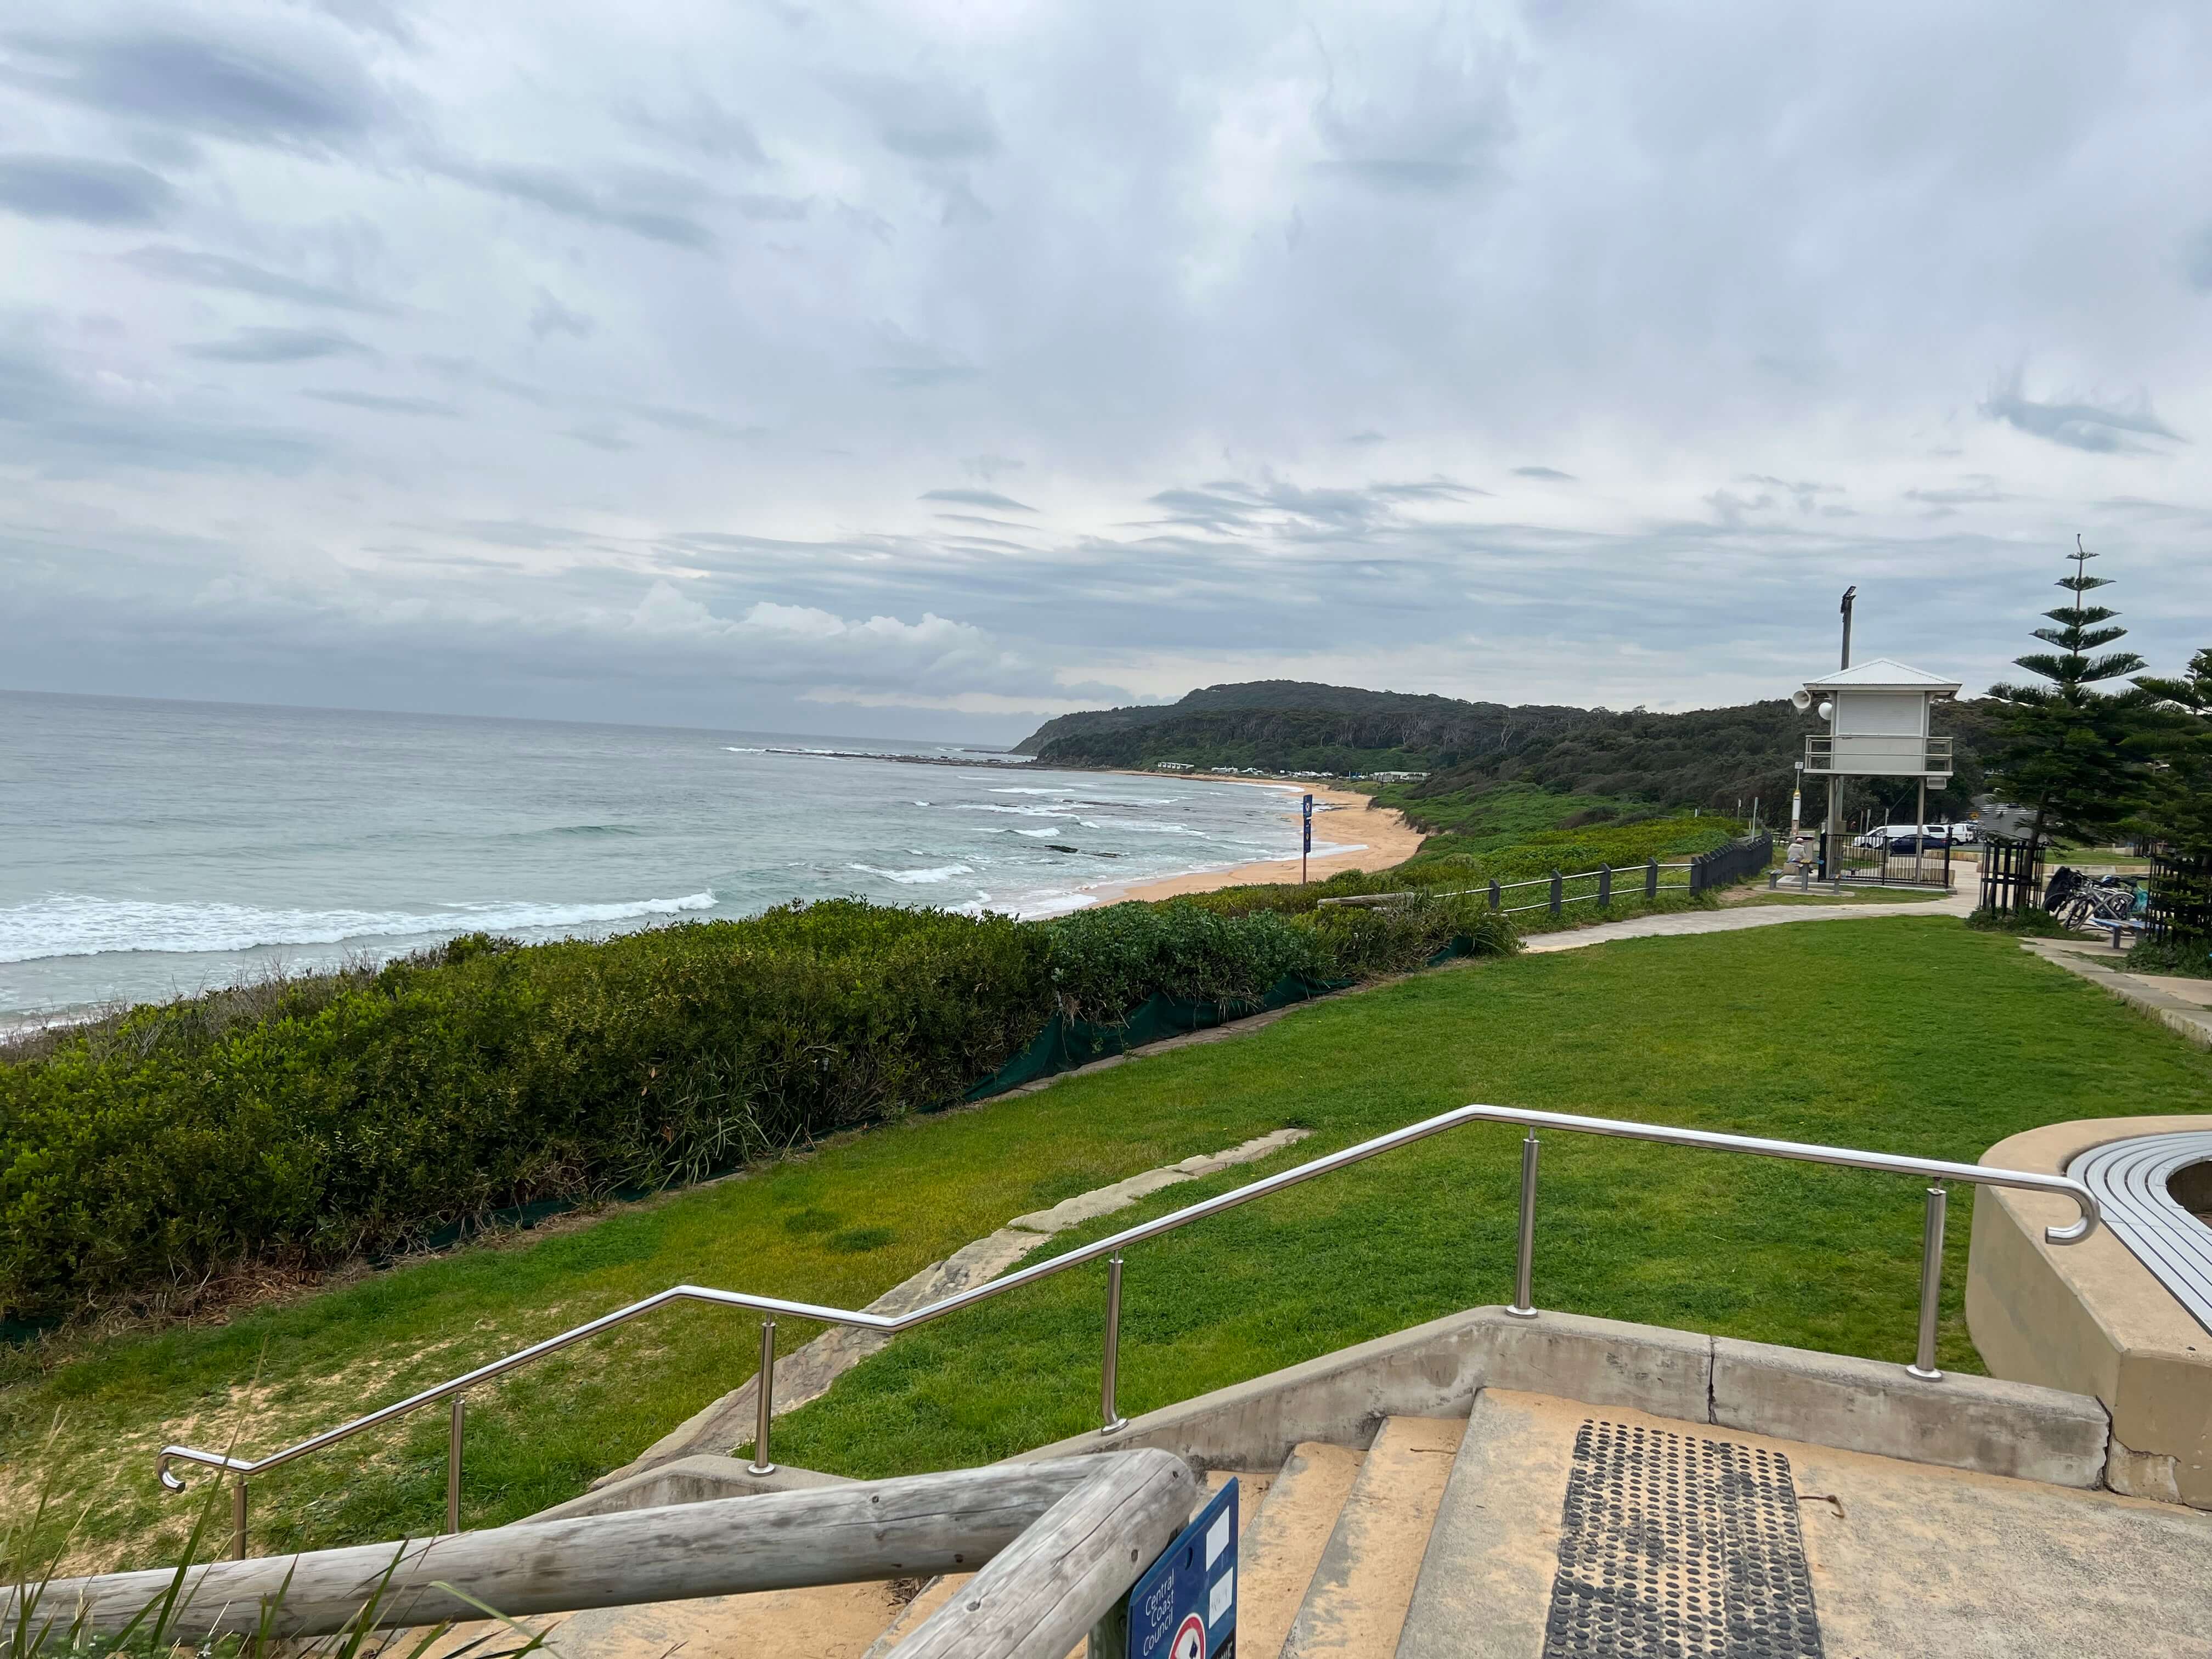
1366,838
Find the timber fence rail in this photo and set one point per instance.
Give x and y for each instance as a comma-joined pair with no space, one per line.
1554,893
1110,1250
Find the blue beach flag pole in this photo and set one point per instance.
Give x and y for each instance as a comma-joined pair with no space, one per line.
1306,851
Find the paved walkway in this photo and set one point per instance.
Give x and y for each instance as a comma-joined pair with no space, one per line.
2183,1006
1958,904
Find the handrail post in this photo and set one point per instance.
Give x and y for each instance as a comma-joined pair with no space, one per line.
1931,1285
454,1465
1494,893
1651,877
765,1402
1605,887
238,1519
1557,881
1524,1272
1109,1373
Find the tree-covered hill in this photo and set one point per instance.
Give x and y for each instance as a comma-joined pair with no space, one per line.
1710,758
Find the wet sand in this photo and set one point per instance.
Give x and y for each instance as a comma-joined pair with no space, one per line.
1367,837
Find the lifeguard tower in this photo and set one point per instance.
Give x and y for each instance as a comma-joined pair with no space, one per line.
1879,715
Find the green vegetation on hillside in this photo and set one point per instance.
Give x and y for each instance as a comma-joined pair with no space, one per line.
1712,1031
1711,758
337,1114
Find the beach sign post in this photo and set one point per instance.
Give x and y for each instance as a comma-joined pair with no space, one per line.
1185,1605
1305,851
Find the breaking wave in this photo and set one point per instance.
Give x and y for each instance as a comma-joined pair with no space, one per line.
78,925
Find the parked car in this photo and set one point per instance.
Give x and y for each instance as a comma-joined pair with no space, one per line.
1932,838
1903,837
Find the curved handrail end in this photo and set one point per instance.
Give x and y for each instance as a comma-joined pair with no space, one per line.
167,1455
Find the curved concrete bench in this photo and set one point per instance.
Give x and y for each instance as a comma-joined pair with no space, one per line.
2092,1318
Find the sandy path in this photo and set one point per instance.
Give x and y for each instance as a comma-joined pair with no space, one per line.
1372,837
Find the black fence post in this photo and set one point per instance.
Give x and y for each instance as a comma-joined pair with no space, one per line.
1494,892
1605,887
1651,878
1557,880
1697,876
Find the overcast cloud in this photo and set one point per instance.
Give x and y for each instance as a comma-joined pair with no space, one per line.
923,368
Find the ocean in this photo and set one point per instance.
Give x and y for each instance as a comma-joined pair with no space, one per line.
150,849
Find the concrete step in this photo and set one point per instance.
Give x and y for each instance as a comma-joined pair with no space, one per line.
1685,1537
1277,1555
1355,1605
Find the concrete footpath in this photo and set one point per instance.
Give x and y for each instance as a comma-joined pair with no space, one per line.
2182,1005
1958,904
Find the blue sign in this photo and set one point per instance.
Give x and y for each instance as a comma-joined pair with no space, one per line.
1309,846
1185,1605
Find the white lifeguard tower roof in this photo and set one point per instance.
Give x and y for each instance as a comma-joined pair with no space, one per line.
1882,674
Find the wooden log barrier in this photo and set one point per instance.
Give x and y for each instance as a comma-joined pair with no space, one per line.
914,1527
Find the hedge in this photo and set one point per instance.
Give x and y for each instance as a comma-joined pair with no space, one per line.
307,1123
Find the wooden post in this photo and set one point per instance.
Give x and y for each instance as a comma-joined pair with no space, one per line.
1651,877
1494,893
1605,887
1557,880
914,1527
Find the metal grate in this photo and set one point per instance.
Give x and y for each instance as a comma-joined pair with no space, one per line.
1675,1548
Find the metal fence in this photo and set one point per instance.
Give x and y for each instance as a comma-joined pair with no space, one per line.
2012,874
1938,1172
2180,895
1842,858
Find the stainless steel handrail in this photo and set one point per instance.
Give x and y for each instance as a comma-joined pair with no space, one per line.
242,1469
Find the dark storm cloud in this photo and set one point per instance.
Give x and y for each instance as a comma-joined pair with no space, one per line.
550,316
77,187
2197,261
692,421
658,206
219,271
978,498
284,88
927,120
63,428
1439,126
699,123
278,345
378,403
2080,425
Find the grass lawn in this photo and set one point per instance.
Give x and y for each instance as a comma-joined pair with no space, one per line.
1913,1033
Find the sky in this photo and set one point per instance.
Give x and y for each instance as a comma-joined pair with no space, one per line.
928,370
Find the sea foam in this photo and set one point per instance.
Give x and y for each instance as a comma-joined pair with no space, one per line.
78,925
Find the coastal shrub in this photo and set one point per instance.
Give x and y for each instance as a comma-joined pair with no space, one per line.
2033,921
300,1122
465,1080
1365,942
2192,958
1106,961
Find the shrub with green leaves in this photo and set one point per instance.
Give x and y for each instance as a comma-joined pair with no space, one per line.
305,1121
1106,961
173,1146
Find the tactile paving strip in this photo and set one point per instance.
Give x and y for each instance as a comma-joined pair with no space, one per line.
1679,1548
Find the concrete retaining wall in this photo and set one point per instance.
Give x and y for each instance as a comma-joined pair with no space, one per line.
1982,1424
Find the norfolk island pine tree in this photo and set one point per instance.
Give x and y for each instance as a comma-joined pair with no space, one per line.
2179,808
2075,756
